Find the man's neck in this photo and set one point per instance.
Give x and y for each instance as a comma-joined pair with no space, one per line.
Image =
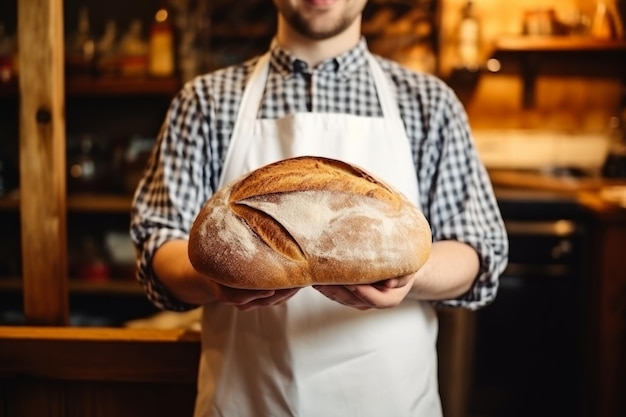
315,51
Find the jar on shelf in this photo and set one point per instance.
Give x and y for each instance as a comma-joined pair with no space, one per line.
87,165
90,263
539,22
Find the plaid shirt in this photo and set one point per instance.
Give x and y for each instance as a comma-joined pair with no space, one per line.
455,192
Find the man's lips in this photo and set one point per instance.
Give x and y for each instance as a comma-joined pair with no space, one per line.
320,3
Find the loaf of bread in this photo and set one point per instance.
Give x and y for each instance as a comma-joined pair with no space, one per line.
306,221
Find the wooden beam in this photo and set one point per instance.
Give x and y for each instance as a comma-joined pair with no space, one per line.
42,161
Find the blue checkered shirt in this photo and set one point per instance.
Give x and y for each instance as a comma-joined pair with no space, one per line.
455,192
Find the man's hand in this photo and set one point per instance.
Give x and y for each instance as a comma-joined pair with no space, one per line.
246,300
383,294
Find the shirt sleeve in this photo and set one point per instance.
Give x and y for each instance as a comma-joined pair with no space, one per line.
172,191
459,199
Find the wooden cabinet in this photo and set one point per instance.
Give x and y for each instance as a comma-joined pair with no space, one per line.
110,112
45,118
532,56
606,295
58,370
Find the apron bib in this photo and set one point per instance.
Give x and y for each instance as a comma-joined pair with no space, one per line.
310,356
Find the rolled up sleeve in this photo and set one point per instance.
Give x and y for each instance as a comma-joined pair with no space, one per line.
170,194
460,202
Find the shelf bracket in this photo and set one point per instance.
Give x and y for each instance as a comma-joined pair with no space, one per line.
529,68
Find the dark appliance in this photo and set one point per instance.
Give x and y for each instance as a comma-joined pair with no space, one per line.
528,344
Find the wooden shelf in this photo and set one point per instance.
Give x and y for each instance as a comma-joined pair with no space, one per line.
121,86
574,55
109,287
108,87
527,44
99,203
86,203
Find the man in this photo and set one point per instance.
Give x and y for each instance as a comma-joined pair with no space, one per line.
366,350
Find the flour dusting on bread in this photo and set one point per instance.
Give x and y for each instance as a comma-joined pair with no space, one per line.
305,221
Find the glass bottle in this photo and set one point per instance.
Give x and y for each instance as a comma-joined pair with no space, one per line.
7,55
161,44
80,49
615,162
607,22
107,49
134,51
468,38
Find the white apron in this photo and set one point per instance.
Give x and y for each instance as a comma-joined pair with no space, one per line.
312,357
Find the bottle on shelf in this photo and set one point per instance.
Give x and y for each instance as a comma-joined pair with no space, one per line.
161,44
80,50
468,39
7,55
607,23
134,51
107,50
615,162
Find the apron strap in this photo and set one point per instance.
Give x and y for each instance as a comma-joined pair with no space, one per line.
253,94
388,103
248,110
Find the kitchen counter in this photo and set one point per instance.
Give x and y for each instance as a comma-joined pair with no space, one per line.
602,205
604,197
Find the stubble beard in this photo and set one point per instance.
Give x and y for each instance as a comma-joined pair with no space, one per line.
310,30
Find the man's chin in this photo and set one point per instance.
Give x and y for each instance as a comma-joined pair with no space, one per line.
320,32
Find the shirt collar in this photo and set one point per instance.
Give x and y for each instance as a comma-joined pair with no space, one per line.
285,63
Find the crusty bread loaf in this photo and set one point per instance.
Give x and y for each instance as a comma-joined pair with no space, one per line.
305,221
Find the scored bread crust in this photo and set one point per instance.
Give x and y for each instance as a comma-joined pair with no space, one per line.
308,221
